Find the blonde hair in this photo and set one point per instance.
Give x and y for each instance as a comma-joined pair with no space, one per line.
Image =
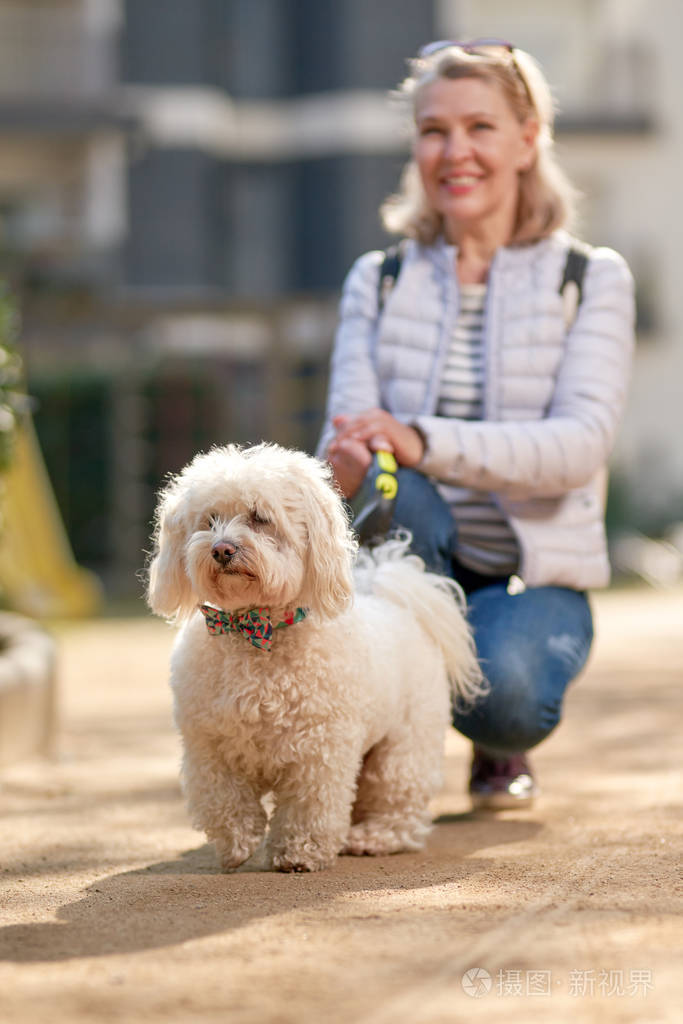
547,199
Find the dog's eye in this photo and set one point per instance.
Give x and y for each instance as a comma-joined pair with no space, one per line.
257,518
210,520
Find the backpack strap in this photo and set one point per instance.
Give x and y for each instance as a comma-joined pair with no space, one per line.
388,272
571,287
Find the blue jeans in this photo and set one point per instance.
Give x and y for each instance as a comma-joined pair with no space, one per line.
530,645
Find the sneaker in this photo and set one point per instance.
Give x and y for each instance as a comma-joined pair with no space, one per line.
501,783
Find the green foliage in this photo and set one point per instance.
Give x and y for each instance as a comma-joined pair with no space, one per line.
12,397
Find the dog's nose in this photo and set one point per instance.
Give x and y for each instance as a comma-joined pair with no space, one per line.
222,551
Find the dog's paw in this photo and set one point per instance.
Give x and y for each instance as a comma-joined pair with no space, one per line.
283,862
286,864
306,855
231,856
372,839
229,864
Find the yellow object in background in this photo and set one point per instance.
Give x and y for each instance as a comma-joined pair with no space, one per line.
38,573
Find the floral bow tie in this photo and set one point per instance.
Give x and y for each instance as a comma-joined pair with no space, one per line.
255,624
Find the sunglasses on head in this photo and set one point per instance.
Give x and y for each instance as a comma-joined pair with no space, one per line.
474,46
478,48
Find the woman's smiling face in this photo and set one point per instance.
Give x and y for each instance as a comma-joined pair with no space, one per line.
469,149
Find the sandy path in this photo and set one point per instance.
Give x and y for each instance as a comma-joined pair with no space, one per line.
111,907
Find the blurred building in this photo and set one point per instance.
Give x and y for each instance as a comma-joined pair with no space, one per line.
184,185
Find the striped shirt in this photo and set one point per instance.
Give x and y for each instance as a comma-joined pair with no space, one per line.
486,543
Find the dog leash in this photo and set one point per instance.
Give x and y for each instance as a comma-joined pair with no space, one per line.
374,504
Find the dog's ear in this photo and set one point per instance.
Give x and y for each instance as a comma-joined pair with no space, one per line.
328,587
169,590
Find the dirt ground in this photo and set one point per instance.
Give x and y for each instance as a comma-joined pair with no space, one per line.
112,908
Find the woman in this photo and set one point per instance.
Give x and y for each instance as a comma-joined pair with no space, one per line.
501,411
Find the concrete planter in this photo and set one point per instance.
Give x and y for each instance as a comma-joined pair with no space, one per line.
27,688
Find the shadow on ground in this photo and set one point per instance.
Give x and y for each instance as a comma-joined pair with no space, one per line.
176,901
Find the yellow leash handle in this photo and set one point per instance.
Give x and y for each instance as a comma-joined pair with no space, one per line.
386,481
374,503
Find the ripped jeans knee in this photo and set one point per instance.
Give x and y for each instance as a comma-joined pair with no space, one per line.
531,646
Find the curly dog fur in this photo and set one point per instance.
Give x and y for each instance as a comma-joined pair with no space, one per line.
343,720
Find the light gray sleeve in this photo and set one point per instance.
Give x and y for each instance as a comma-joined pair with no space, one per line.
548,457
353,385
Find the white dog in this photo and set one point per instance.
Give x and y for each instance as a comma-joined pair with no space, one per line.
288,682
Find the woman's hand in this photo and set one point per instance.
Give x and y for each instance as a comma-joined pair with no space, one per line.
350,453
377,429
350,461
